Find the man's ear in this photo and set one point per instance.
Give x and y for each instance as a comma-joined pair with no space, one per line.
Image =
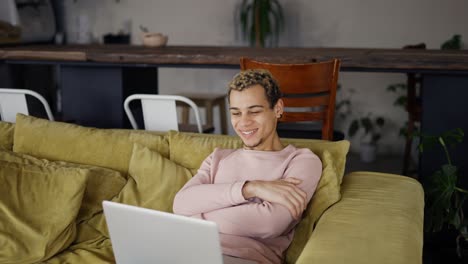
279,108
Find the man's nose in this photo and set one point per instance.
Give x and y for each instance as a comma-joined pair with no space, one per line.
245,120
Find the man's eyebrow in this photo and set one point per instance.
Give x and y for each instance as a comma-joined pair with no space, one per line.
250,107
254,106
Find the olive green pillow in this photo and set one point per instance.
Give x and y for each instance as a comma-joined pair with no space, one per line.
6,135
153,183
38,207
326,194
102,184
109,148
190,149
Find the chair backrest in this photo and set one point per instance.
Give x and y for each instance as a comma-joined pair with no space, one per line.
13,101
160,111
311,86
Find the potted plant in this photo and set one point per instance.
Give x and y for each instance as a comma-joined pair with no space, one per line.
371,127
444,198
261,21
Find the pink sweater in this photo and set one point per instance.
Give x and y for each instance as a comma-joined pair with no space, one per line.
250,229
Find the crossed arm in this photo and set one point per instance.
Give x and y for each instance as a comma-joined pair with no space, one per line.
259,209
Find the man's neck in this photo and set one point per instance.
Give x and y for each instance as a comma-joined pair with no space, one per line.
273,144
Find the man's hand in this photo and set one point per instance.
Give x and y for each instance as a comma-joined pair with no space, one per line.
284,192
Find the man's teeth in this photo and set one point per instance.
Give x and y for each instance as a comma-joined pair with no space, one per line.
248,132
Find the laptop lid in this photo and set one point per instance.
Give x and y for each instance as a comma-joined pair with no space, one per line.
140,235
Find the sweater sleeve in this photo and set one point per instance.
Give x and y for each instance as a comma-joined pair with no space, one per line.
200,195
265,219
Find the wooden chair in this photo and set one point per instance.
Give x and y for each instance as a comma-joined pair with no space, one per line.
413,107
13,101
160,113
309,91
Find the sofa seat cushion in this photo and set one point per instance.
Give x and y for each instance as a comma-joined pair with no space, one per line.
379,219
153,183
102,183
190,149
6,135
98,251
38,207
109,148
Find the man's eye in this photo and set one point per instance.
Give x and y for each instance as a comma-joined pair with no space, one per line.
235,113
254,113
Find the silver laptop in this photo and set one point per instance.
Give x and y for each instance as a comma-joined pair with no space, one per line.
140,235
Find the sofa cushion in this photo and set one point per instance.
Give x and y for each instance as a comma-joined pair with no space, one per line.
190,149
97,251
109,148
326,194
6,135
102,183
38,207
337,150
153,183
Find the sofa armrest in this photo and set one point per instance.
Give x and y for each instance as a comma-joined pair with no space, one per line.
378,220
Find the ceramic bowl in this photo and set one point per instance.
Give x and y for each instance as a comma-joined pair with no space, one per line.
154,39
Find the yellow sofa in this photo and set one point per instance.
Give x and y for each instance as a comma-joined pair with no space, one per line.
55,175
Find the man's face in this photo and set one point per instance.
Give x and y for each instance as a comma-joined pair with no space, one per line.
253,119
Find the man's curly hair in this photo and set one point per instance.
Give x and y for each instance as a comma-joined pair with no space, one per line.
248,78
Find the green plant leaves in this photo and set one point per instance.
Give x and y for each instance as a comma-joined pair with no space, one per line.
450,137
261,21
444,200
353,128
370,125
453,43
439,197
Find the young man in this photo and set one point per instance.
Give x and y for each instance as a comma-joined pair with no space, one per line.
256,194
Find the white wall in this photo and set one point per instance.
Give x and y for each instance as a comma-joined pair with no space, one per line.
310,23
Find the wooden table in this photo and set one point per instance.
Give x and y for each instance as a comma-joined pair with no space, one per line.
95,79
352,59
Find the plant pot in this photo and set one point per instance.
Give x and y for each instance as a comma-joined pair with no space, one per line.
368,152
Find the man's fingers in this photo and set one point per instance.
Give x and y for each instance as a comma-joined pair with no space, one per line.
284,192
292,180
295,198
299,195
292,206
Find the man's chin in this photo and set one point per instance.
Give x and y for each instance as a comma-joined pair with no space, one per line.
251,145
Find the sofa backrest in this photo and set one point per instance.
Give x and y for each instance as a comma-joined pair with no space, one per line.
109,148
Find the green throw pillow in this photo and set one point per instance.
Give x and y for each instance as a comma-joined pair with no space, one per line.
153,183
6,135
38,207
326,194
102,184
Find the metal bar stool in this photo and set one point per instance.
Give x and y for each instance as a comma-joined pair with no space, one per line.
208,101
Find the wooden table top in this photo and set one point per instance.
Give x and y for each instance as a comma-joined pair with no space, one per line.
352,59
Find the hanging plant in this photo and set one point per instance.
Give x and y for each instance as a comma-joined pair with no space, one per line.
261,21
